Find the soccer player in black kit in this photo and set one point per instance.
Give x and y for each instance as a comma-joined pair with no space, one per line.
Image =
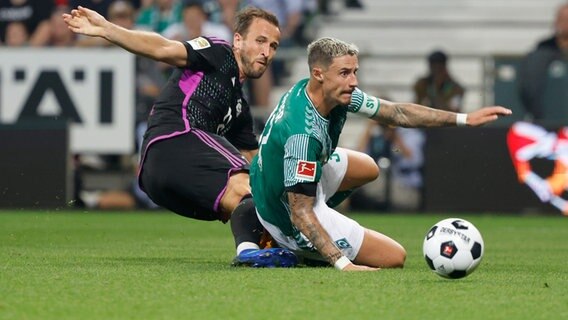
200,140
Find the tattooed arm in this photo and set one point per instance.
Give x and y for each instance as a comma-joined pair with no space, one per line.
411,115
304,218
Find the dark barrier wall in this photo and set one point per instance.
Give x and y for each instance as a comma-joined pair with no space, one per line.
470,170
34,166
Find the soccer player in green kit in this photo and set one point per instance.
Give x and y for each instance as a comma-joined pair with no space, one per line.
299,167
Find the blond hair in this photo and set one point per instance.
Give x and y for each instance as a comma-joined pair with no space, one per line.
322,51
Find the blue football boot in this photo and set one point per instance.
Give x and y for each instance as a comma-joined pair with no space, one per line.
266,258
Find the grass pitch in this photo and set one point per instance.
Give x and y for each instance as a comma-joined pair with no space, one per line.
157,265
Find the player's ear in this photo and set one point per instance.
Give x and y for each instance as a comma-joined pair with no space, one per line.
237,38
317,74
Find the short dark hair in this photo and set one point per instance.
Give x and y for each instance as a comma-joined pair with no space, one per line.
438,56
244,19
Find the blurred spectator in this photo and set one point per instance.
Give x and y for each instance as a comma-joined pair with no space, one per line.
16,35
159,16
354,4
536,65
60,35
399,153
323,6
559,40
131,198
223,11
34,14
438,89
140,4
195,23
289,14
120,12
100,6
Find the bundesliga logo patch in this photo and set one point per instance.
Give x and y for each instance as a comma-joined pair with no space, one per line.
306,170
199,43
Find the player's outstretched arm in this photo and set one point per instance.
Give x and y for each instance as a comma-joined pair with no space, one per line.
148,44
304,218
411,115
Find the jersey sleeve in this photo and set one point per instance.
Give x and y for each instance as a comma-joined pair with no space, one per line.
204,54
241,135
363,104
301,160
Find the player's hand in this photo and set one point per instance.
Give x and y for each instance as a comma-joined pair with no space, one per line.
356,267
486,115
85,21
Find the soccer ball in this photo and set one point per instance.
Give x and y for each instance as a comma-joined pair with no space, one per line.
453,248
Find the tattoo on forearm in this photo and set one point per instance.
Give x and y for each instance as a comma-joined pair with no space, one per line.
399,116
304,218
413,115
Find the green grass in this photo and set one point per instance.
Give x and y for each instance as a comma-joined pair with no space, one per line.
92,265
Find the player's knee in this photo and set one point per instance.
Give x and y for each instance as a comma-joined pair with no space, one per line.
239,185
394,259
398,258
370,168
237,188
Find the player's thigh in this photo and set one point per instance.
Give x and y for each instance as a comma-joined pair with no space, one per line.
361,169
379,250
190,171
345,232
333,174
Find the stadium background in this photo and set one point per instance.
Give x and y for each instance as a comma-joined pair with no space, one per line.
464,171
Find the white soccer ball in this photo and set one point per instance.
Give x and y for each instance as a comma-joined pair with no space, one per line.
453,248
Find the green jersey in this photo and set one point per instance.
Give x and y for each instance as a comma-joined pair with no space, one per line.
295,143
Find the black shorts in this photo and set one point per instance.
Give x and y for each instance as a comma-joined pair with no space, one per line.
188,174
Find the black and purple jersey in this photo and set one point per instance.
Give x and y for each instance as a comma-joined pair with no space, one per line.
206,96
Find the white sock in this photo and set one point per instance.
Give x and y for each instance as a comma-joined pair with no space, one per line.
90,198
246,245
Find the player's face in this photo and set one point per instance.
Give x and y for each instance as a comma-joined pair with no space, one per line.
562,28
340,79
257,48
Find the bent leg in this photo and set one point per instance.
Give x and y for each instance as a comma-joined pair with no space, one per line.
197,175
378,250
246,228
238,187
353,168
361,169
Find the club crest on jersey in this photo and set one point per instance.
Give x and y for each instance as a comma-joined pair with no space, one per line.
306,170
199,43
